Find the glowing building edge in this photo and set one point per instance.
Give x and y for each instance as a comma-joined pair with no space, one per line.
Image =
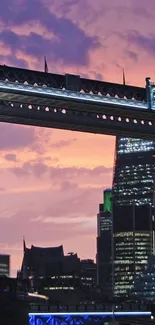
35,90
123,313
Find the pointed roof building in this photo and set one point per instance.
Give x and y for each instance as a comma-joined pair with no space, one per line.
47,261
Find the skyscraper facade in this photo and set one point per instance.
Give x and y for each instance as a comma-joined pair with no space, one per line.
144,286
4,265
133,210
132,238
104,245
133,181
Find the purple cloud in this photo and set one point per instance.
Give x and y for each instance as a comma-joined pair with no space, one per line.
11,157
19,172
63,143
70,40
27,222
81,202
20,63
39,169
68,186
63,173
139,9
69,173
13,136
146,43
132,55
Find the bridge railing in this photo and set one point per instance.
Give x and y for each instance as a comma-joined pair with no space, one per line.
89,308
76,84
71,82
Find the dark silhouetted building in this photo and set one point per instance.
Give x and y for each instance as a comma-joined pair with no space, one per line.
63,278
39,262
4,265
13,309
104,245
133,210
88,273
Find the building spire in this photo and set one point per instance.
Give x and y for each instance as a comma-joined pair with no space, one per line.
124,82
24,245
45,65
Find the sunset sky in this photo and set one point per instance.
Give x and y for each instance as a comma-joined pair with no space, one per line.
52,181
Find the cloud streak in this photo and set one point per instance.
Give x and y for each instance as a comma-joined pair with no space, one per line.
146,43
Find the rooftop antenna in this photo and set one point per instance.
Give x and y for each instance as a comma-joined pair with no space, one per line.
45,65
24,245
124,82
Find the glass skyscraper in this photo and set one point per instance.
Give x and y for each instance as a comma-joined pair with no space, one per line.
133,210
144,287
133,180
104,245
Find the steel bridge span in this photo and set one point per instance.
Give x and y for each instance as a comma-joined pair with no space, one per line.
121,313
73,103
89,318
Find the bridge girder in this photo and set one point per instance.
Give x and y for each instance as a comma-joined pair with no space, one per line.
75,120
71,82
56,102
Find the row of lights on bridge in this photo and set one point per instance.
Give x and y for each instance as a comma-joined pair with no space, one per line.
63,111
127,119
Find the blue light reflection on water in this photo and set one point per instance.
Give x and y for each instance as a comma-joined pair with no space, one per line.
79,318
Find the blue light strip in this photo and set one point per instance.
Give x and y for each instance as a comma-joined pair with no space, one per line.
123,313
35,90
133,313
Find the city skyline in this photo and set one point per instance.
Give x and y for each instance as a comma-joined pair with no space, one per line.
51,180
